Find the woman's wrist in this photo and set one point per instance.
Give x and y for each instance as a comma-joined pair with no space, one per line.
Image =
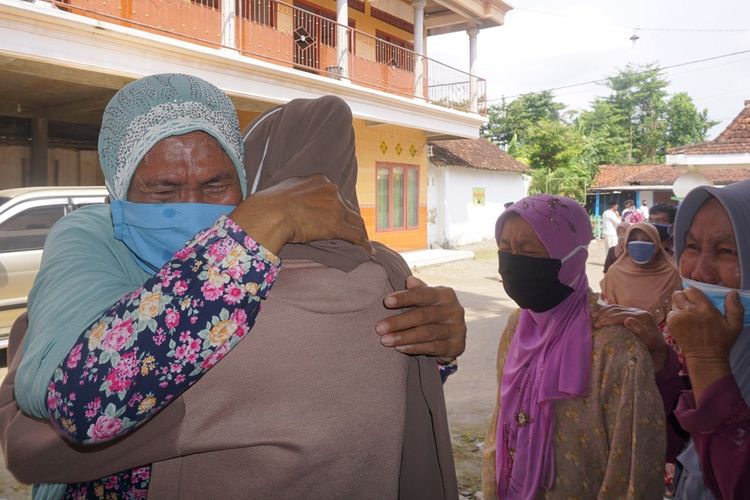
264,222
705,370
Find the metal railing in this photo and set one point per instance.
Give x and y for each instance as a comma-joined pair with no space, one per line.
308,39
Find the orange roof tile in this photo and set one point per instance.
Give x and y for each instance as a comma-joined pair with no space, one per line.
734,139
475,153
659,175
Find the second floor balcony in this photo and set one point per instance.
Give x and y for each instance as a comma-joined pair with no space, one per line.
299,36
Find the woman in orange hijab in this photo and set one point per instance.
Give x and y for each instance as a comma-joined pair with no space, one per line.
644,276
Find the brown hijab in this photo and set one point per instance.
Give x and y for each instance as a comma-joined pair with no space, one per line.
274,153
649,286
36,453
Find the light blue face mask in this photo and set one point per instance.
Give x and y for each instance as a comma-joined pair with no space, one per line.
641,252
717,293
154,232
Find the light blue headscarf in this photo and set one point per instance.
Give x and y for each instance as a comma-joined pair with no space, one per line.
84,269
735,198
153,108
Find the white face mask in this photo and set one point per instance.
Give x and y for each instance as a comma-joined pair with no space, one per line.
717,293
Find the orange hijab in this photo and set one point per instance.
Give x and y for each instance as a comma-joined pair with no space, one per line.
649,286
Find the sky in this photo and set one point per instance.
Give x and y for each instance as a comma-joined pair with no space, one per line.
551,43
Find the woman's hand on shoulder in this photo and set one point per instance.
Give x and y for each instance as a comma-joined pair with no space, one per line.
300,210
433,326
638,321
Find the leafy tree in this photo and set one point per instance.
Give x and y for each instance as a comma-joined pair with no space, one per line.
685,124
636,123
606,133
638,93
551,144
509,120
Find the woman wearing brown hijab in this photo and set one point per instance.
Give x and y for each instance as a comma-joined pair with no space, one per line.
348,419
644,276
312,406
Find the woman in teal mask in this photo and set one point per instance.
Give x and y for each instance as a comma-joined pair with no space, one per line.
710,321
137,300
644,276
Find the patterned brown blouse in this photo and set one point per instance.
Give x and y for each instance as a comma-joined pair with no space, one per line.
610,444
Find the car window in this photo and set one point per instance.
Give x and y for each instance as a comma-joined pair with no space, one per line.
28,230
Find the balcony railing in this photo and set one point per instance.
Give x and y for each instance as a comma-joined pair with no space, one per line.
299,38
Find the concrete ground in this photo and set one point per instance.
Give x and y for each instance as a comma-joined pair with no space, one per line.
471,392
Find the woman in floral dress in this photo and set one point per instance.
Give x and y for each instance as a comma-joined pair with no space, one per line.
125,315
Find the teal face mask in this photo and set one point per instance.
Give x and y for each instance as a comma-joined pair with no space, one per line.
154,232
717,293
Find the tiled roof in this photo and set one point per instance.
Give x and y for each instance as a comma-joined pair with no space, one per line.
659,175
475,153
734,139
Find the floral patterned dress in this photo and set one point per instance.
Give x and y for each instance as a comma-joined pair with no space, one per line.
609,444
156,342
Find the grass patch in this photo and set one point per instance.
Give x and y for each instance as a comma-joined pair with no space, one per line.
467,453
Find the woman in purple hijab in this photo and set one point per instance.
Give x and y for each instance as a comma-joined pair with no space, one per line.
578,412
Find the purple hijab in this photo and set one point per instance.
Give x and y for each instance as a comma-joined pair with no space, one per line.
550,355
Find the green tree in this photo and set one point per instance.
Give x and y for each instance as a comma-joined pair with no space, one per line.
685,124
636,123
551,145
606,132
510,121
638,94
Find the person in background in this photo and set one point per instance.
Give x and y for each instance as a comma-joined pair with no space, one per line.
578,414
610,220
662,216
631,214
617,250
644,276
710,321
644,210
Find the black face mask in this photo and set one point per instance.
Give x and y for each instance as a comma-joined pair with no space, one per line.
665,231
532,281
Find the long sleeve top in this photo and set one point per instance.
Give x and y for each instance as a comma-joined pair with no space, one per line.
156,342
609,444
719,428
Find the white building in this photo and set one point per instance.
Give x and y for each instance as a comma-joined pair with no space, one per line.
730,150
468,183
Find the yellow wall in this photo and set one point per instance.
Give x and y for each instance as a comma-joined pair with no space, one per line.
391,144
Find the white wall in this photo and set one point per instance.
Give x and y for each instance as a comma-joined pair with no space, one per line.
457,220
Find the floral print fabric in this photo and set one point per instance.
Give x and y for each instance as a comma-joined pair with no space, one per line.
609,444
156,342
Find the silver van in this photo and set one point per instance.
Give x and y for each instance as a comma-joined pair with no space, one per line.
26,217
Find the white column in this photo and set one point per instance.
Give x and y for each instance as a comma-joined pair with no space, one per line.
228,24
473,31
342,36
419,47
